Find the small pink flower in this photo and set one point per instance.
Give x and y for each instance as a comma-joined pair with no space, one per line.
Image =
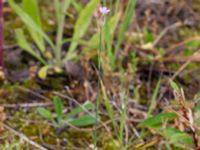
104,10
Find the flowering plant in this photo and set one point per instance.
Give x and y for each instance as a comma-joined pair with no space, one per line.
104,10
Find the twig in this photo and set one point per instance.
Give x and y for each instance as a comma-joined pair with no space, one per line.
23,137
162,34
126,134
184,66
182,43
34,93
26,105
7,47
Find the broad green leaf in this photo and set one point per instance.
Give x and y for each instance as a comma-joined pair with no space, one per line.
84,121
58,106
176,136
23,43
30,22
31,8
82,108
158,119
45,113
182,138
82,24
43,72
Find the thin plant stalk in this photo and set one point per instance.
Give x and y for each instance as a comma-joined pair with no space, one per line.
61,23
153,100
98,86
103,20
123,121
127,20
117,6
1,33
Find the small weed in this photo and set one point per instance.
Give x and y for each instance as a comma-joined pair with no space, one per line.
53,58
61,119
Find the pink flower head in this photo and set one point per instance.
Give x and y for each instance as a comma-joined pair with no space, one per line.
104,10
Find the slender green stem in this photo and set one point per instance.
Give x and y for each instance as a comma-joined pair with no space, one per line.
57,10
104,2
61,23
98,86
59,37
99,79
117,6
153,100
123,121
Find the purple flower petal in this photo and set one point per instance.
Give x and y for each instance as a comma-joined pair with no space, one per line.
104,10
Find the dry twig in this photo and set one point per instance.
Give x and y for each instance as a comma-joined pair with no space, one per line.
26,105
23,137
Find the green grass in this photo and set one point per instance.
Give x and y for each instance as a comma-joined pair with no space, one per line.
127,116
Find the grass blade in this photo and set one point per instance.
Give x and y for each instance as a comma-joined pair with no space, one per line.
30,22
153,100
128,17
82,24
31,8
23,43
